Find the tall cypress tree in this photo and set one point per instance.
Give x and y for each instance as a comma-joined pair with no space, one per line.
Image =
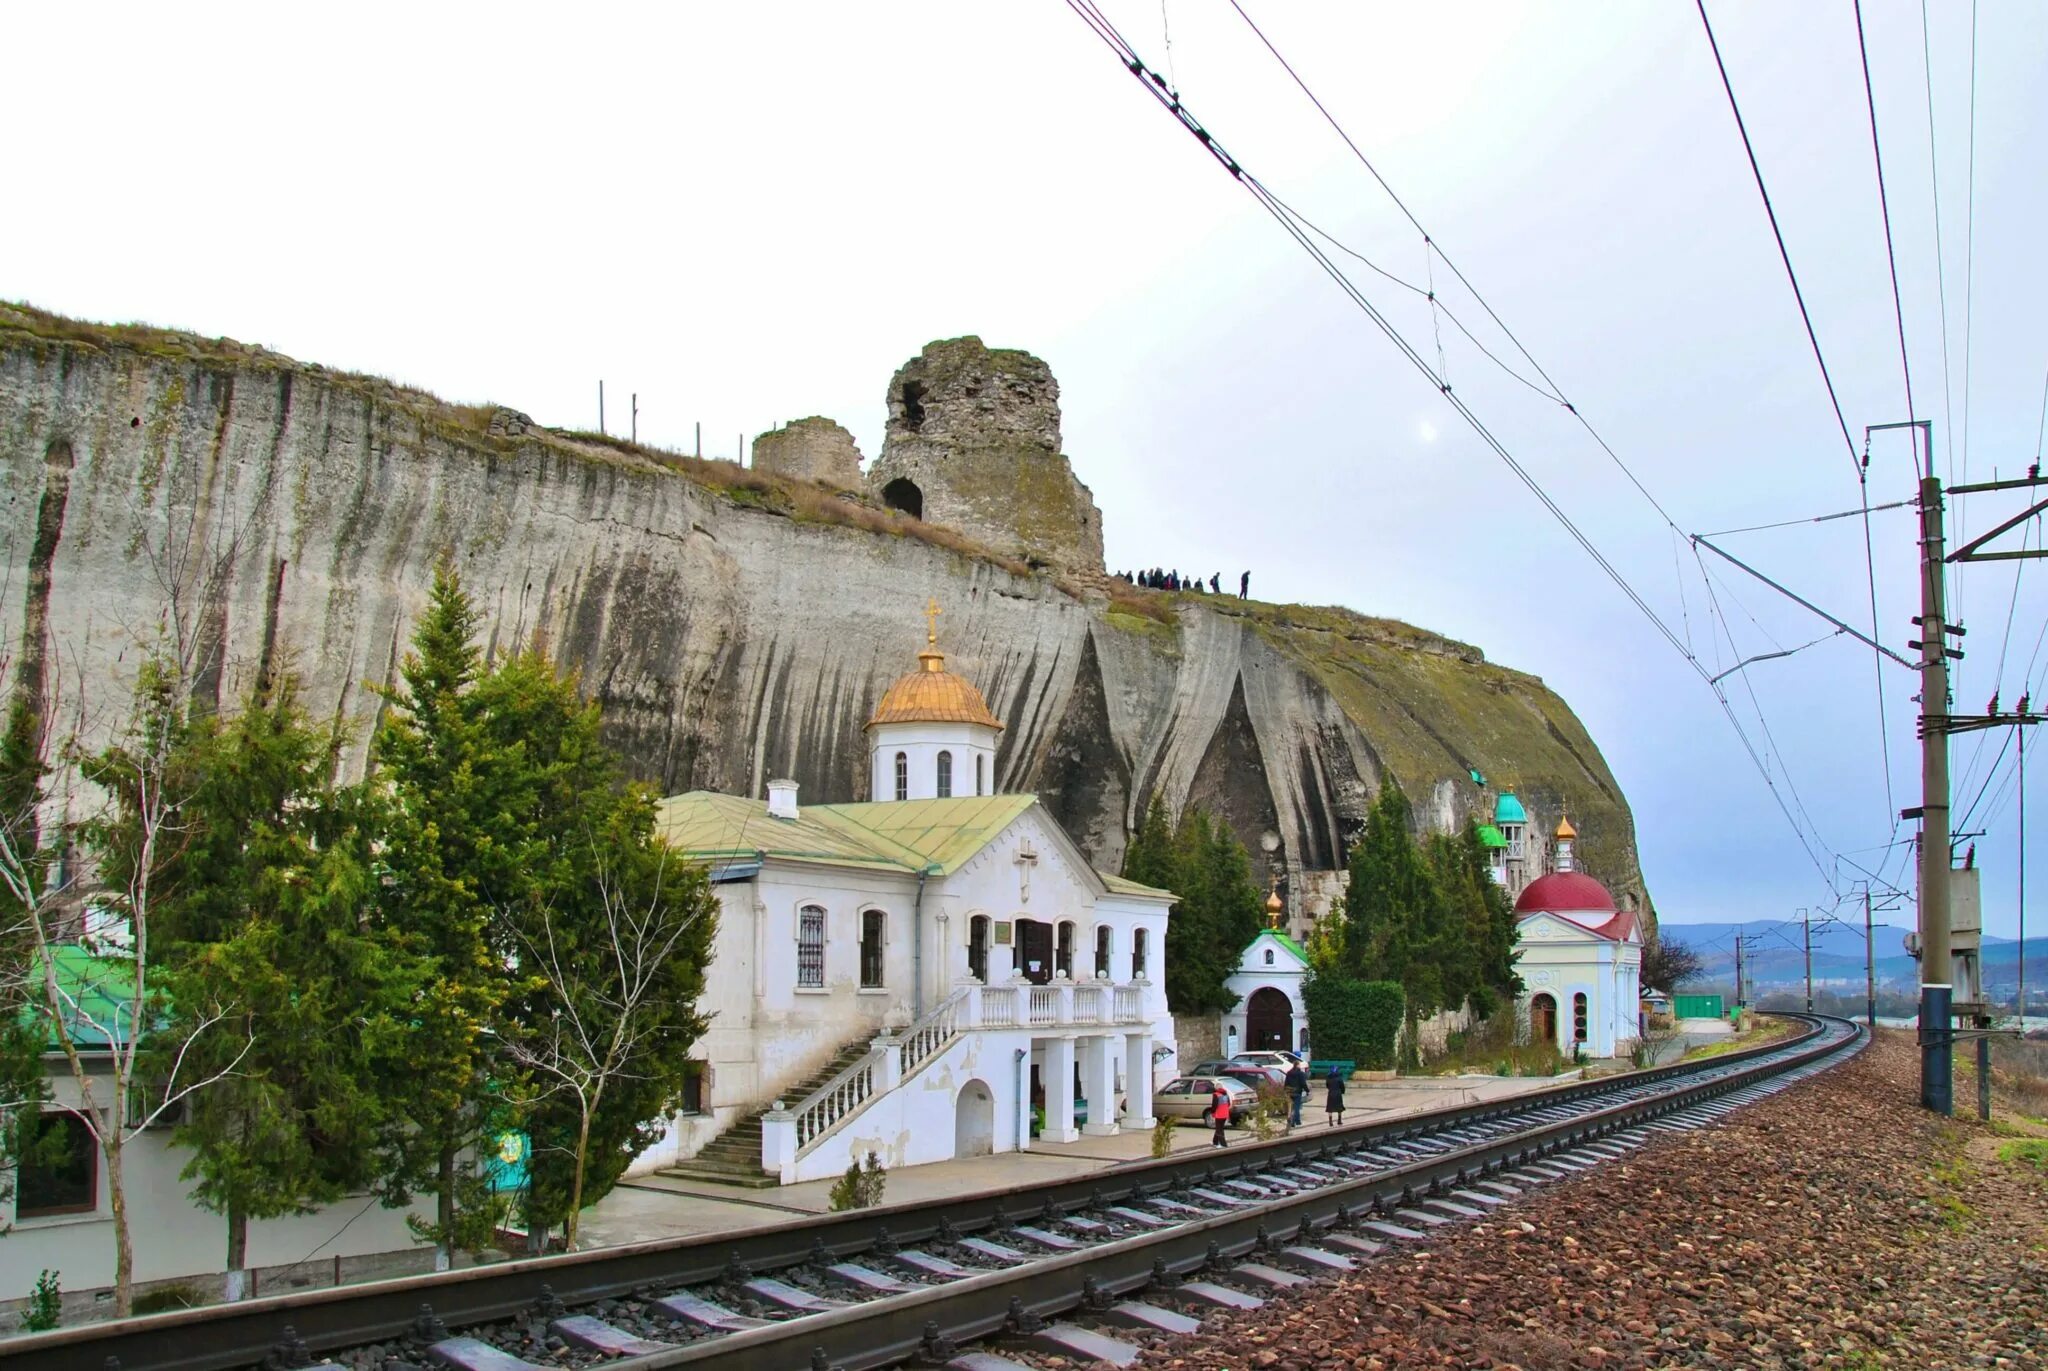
1393,908
1217,912
266,916
453,811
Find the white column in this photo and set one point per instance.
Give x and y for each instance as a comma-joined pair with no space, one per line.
778,1143
1138,1080
1098,1085
1056,1074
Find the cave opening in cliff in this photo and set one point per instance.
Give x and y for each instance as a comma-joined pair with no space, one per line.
913,405
904,495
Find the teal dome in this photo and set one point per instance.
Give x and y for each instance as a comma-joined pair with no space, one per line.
1508,810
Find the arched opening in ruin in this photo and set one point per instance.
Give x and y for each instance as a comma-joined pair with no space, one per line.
902,493
913,405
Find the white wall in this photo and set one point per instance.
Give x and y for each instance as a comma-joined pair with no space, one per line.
172,1235
1562,960
921,745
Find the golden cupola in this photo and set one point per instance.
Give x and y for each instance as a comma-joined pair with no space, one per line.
932,736
931,694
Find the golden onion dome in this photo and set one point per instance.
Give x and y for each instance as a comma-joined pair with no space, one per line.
931,694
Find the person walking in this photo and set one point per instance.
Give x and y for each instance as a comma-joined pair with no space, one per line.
1244,586
1219,1114
1297,1092
1335,1103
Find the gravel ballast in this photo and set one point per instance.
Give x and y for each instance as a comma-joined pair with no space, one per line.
1833,1225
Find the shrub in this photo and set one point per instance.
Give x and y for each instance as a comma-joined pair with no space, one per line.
1358,1020
1270,1110
1162,1135
862,1185
45,1305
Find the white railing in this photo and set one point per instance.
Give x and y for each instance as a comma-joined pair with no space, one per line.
1088,1005
928,1037
1045,1006
835,1100
1130,1004
995,1006
890,1060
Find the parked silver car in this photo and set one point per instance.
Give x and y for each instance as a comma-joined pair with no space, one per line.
1187,1097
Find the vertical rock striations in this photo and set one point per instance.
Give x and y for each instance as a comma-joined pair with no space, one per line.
734,626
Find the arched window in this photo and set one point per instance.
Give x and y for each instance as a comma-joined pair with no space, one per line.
945,775
1139,939
810,946
1102,936
59,1174
902,775
872,923
977,948
1063,951
980,786
1269,956
1579,1018
904,495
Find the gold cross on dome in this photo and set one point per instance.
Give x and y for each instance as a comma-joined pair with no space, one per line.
931,622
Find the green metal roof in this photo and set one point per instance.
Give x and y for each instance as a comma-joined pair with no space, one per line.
940,834
1292,946
96,992
1120,886
1508,810
707,826
1489,836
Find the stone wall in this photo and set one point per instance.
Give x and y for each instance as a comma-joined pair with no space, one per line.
813,449
1199,1037
974,440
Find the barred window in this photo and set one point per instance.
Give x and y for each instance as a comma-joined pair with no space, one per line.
1102,949
1138,941
871,926
1063,954
977,947
902,775
810,946
945,775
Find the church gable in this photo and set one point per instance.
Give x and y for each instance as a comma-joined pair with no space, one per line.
1029,866
1273,953
1552,928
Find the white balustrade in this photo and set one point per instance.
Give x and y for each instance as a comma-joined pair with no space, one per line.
836,1099
1044,1006
996,1006
1088,1004
1130,1004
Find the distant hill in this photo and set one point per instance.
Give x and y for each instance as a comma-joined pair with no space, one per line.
1772,954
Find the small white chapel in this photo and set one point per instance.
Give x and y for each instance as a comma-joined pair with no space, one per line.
1580,958
935,972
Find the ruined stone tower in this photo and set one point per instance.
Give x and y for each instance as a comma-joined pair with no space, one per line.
974,443
813,449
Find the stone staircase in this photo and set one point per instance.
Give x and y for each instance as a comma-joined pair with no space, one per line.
734,1156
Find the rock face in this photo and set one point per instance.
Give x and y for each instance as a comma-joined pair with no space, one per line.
733,627
974,443
813,449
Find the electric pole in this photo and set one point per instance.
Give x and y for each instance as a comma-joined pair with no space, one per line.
1806,923
1738,971
1869,965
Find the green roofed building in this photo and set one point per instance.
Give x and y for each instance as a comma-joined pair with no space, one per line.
925,973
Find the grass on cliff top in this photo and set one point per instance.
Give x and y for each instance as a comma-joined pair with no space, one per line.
469,425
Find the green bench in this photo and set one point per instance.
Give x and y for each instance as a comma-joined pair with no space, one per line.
1321,1070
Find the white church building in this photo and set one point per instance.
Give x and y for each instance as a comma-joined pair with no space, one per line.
934,973
1580,958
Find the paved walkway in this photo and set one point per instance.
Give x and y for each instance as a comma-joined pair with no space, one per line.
647,1208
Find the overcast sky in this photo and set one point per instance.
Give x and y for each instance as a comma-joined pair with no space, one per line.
757,212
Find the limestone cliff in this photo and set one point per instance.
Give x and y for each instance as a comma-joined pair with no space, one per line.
735,625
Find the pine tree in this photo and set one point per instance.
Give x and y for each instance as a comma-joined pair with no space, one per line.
1393,908
611,933
455,811
266,923
1218,909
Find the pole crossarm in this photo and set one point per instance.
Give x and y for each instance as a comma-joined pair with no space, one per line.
1968,551
1849,629
1971,723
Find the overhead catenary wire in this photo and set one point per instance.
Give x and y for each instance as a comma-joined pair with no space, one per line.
1156,86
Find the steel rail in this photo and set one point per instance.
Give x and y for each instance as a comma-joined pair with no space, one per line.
230,1336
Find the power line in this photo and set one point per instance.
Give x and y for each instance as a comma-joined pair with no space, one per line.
1884,204
1156,86
1784,255
1816,519
1556,391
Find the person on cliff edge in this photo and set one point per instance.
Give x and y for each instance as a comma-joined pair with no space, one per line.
1244,586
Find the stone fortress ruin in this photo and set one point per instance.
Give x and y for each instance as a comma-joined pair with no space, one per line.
973,443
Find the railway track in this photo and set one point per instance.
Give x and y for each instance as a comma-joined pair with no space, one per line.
1068,1265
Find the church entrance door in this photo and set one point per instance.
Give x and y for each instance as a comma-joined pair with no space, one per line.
1543,1020
1034,950
1268,1021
